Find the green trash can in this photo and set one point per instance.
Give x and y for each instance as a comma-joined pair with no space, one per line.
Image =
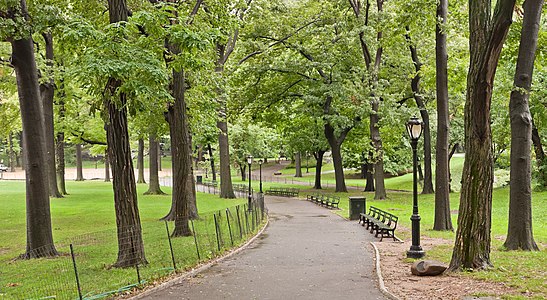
357,205
199,179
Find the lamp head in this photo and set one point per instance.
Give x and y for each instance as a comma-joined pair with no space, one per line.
414,128
250,159
260,161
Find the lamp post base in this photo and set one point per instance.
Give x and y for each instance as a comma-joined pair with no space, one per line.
415,252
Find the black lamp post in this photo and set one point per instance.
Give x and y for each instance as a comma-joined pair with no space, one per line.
414,129
260,167
250,161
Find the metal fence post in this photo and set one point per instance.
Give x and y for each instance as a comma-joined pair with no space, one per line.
170,246
229,227
76,272
239,222
195,239
216,231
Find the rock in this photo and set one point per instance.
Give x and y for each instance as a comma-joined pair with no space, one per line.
428,268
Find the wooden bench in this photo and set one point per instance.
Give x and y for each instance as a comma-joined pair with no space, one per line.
242,188
212,183
324,200
380,222
285,192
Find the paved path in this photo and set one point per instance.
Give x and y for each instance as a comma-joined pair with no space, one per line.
305,253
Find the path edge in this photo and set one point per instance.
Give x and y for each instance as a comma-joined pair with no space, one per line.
383,288
206,266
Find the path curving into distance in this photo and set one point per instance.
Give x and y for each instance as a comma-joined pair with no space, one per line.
307,252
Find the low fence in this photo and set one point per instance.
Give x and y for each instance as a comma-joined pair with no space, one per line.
101,264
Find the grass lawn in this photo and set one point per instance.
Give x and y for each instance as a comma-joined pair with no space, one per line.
525,271
86,219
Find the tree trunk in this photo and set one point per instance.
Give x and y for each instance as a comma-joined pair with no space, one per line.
160,155
79,168
140,162
417,93
130,243
298,166
11,153
443,221
47,93
180,156
192,201
541,162
520,234
318,164
39,234
154,181
60,145
212,162
472,244
380,192
454,148
243,171
335,146
106,167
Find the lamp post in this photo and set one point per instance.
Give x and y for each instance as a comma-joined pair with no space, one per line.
250,199
260,168
414,129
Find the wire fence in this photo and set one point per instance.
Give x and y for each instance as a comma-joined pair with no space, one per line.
102,264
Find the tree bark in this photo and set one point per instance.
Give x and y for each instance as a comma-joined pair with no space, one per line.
213,171
318,164
443,221
380,192
242,170
39,233
298,165
335,143
11,153
79,167
160,155
226,189
47,91
130,243
472,244
417,93
106,167
520,234
154,181
180,154
140,162
541,161
60,144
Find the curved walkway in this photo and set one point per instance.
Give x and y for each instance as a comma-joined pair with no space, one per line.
305,253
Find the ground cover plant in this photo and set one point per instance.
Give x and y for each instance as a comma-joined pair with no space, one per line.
85,218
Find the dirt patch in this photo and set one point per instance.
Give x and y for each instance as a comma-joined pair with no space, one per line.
400,282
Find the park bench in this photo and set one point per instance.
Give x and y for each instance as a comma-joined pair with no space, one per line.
380,222
242,188
285,192
212,183
324,200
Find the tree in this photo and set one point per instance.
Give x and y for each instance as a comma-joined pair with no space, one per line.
443,221
140,161
16,29
79,167
520,235
153,182
487,34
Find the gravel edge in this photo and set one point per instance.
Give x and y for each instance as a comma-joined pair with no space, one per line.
383,288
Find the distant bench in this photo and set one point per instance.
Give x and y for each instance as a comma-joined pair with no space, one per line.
209,183
285,192
380,222
324,200
242,188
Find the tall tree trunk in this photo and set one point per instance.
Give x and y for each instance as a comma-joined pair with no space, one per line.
541,160
335,143
160,155
417,93
47,93
369,173
154,181
11,153
180,154
380,192
212,161
60,143
472,244
140,162
39,233
226,189
443,221
318,164
130,243
520,234
106,167
298,164
79,167
192,201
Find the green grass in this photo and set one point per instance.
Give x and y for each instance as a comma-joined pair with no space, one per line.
86,219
